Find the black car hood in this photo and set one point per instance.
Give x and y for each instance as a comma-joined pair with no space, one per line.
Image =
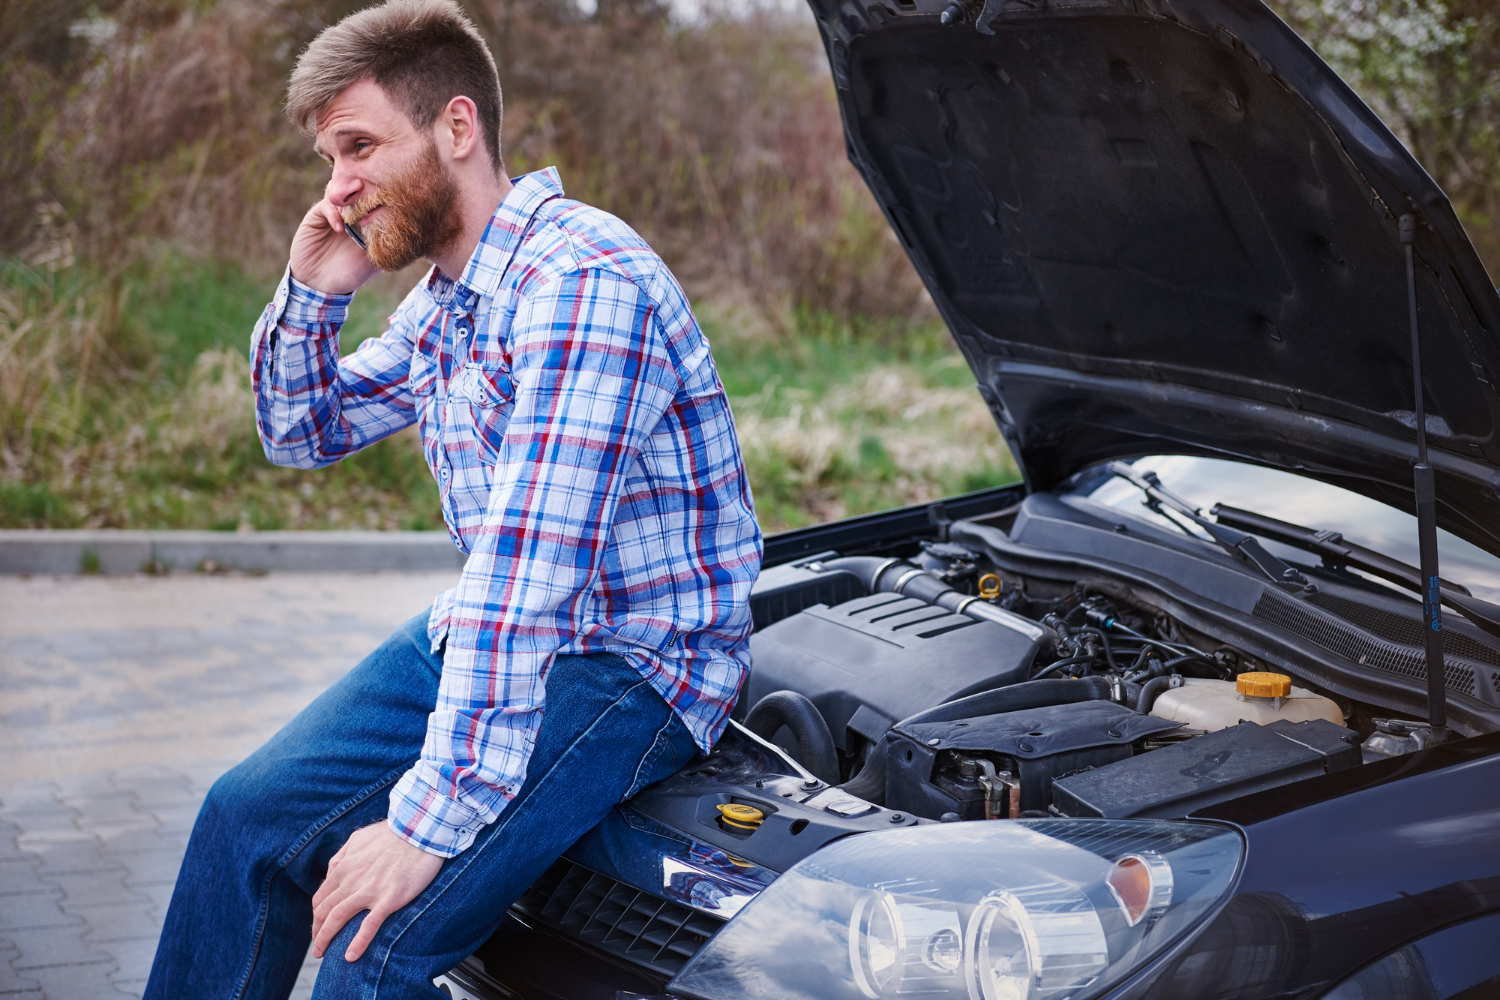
1169,227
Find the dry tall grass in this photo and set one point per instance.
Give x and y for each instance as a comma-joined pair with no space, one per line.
157,121
132,122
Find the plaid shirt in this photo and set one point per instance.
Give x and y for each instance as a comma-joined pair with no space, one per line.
587,463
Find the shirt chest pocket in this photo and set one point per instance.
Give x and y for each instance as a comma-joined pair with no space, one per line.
484,385
422,379
488,389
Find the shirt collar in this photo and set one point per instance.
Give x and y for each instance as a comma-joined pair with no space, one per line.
487,264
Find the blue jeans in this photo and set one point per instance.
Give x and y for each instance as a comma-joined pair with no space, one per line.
240,920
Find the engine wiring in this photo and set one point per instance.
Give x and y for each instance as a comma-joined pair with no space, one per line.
1093,640
1090,635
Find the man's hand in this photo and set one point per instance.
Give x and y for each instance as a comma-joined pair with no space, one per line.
323,255
376,871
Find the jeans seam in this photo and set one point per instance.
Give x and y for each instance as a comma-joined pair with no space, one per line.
357,799
472,854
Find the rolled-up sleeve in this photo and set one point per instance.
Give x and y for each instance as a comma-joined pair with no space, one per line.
593,376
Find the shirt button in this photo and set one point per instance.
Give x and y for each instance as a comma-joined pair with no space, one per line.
443,472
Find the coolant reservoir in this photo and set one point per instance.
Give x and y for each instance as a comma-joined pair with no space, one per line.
1210,705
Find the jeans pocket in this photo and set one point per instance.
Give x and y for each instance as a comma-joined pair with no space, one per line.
659,761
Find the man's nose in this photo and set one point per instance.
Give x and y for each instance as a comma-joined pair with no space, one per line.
344,187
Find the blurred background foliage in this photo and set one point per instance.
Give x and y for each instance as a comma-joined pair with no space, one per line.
1431,70
148,188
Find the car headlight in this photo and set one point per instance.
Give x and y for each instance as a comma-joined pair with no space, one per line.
1055,909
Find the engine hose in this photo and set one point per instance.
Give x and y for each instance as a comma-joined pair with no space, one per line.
1071,661
1217,671
815,747
1149,692
869,783
897,576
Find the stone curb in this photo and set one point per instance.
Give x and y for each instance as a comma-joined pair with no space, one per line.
69,552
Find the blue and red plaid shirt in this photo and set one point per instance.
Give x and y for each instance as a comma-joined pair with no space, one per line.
587,463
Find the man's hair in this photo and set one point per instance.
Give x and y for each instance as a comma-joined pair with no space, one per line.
422,53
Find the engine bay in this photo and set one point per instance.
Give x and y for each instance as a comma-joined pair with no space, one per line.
953,690
1036,660
945,682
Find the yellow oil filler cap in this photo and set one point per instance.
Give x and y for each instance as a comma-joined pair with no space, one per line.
1263,684
740,817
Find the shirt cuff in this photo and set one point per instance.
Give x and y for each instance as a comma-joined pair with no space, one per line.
425,818
301,307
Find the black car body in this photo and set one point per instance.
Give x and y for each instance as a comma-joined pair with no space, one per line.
1155,228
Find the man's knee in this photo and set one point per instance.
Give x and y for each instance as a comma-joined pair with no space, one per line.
237,805
371,976
227,798
338,977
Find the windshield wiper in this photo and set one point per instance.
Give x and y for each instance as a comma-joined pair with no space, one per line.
1335,550
1238,544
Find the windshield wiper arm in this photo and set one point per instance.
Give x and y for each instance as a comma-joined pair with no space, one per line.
1332,547
1238,544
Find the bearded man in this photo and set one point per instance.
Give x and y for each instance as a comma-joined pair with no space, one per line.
587,464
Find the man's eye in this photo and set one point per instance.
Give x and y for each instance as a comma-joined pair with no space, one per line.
362,145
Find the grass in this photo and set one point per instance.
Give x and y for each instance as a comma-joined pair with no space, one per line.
158,431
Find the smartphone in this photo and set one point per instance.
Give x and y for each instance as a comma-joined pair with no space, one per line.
352,231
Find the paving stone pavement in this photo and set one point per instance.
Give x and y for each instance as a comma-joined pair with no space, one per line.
121,700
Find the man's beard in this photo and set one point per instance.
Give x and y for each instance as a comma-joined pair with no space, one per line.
421,214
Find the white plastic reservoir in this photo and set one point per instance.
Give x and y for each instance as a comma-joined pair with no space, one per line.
1210,705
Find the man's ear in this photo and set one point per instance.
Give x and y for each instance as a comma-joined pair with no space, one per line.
458,129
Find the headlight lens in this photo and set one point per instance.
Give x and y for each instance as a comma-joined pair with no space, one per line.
1009,910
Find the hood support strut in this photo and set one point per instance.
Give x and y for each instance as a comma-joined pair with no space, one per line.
1425,486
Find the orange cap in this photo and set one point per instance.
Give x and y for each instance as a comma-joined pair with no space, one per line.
1263,684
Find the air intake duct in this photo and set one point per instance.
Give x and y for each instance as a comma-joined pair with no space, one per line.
897,576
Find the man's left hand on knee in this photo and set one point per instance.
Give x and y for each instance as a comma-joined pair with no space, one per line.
376,871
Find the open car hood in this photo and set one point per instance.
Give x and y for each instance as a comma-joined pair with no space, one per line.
1169,227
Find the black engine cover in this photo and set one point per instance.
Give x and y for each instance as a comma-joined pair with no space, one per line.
1035,744
872,661
1173,782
